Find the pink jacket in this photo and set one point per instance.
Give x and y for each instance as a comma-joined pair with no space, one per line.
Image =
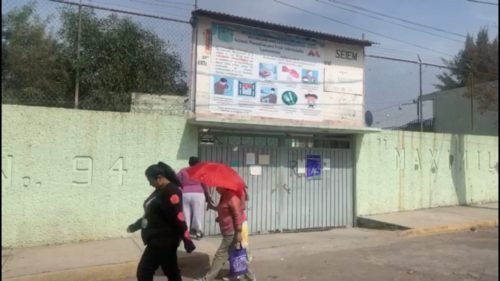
230,211
188,184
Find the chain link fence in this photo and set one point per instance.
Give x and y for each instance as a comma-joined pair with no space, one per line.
95,54
86,55
407,94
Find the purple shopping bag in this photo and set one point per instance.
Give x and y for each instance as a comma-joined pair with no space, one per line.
238,261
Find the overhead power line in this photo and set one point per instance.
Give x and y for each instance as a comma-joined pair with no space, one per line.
483,2
360,28
391,22
398,18
175,3
402,52
120,11
423,63
409,61
160,4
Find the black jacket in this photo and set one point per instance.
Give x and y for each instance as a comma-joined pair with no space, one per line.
163,223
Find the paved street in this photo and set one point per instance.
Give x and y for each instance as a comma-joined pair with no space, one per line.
465,256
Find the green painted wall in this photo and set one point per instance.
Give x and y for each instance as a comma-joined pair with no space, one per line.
402,170
71,175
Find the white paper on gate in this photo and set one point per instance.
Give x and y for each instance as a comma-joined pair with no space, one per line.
301,167
250,159
256,170
326,164
264,159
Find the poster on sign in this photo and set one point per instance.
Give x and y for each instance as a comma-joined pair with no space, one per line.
313,167
266,74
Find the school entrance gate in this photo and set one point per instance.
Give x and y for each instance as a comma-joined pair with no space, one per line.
294,183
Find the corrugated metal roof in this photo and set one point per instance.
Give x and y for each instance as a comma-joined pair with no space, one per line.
279,27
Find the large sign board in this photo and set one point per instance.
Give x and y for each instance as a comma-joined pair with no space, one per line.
252,72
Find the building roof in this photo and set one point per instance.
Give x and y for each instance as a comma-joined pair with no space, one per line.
279,27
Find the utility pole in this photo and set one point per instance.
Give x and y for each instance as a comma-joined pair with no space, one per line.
77,82
421,115
471,93
472,100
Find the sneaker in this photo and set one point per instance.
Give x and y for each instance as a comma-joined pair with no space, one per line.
199,235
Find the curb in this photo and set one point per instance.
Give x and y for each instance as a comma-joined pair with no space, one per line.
109,272
448,228
379,225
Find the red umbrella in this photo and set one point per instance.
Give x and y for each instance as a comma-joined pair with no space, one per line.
217,175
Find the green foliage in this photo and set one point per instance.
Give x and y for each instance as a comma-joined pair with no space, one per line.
473,67
117,57
31,62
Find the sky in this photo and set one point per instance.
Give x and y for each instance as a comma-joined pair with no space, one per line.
387,83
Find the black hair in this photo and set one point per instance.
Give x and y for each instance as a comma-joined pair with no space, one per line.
193,160
162,169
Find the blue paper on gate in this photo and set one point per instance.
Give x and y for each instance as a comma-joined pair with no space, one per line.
313,167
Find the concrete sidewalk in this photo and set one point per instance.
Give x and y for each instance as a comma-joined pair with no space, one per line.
117,258
435,220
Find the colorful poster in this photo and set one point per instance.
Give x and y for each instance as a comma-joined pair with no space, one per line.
313,167
268,74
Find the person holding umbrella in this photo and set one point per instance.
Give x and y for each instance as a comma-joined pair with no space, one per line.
230,211
230,218
163,225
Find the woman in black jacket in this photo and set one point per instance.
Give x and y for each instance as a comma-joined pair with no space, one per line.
163,225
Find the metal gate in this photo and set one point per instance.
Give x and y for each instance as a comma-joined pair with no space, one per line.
317,203
282,198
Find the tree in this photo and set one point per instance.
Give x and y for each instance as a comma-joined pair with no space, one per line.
118,56
475,67
32,72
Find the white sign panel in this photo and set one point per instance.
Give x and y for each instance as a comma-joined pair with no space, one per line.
344,79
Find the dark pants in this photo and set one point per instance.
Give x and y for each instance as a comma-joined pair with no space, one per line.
153,257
